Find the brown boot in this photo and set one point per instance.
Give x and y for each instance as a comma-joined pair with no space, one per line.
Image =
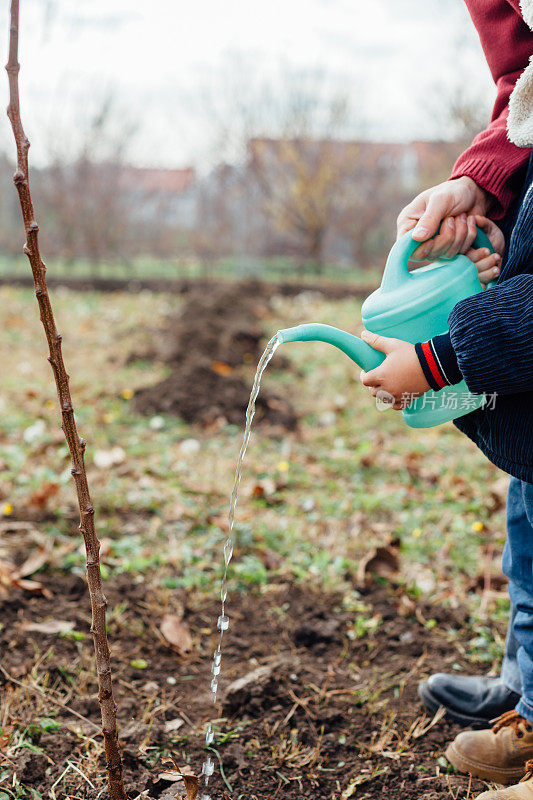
520,791
497,755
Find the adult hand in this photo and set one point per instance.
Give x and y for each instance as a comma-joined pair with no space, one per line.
452,205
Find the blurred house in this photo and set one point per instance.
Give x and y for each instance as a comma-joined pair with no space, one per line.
406,163
312,200
165,195
302,202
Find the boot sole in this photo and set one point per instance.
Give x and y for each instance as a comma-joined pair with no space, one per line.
431,702
483,771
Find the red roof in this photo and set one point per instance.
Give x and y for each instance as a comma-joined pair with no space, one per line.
166,181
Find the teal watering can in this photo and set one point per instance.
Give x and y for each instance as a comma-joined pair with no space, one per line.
413,306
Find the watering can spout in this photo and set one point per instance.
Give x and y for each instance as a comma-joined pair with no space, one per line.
412,306
360,352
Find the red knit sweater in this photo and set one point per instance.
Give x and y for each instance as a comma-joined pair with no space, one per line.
492,161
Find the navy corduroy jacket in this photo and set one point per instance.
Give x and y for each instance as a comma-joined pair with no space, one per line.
490,345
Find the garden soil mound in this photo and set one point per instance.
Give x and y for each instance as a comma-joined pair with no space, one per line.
308,709
210,348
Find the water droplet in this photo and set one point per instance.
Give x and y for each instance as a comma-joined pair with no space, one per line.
214,686
223,622
217,657
228,551
209,735
208,767
215,669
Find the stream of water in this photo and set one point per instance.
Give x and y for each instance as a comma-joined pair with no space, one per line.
223,621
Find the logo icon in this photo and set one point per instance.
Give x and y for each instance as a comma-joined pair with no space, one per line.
384,400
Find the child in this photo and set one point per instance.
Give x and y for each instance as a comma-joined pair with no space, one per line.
490,345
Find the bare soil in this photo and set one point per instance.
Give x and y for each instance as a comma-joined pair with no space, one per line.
330,716
332,291
216,333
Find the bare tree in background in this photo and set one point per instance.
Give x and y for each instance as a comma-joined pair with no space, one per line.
378,184
215,233
304,186
84,194
288,137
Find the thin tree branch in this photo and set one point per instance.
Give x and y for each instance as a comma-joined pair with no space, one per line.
76,445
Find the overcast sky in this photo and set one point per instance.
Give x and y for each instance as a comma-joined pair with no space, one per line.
392,57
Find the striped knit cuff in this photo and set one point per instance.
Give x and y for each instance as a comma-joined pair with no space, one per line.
439,362
494,178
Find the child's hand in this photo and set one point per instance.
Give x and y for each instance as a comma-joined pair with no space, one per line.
488,264
400,375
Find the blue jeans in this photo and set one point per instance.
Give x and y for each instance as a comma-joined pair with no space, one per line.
517,670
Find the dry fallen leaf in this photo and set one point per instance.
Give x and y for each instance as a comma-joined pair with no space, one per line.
221,368
5,736
7,574
12,525
34,562
44,493
173,724
406,607
35,587
357,781
191,786
382,561
52,626
10,576
264,488
103,459
176,632
175,773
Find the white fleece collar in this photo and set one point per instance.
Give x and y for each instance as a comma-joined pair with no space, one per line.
520,120
527,12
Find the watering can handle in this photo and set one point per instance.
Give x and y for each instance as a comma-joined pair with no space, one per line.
396,271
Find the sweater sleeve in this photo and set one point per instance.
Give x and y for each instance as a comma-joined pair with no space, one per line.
439,362
489,343
492,161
